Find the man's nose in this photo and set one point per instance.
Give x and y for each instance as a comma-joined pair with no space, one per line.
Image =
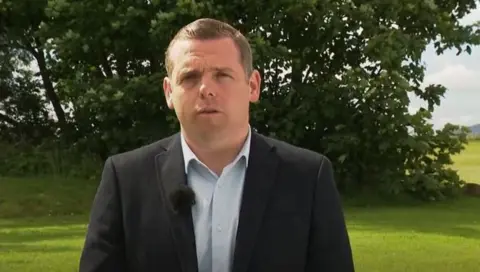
207,87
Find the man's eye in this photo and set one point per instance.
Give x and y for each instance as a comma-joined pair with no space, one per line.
188,78
223,75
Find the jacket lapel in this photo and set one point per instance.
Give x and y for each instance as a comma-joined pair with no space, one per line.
259,178
170,176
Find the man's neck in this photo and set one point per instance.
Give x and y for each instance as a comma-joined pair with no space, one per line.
216,153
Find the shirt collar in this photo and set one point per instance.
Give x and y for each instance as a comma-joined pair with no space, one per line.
188,154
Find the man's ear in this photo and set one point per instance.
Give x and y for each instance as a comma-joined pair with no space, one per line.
254,83
167,90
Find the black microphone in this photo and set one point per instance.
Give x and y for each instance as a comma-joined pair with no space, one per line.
182,199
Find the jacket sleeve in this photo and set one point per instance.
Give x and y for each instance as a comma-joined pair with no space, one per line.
104,248
329,246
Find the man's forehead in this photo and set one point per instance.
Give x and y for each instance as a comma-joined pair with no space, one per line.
202,47
188,63
186,56
179,47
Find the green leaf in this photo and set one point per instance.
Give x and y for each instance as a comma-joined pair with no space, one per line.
469,50
342,158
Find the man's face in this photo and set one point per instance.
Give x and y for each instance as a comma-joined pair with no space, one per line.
208,88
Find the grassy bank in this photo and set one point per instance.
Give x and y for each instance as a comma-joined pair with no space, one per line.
45,196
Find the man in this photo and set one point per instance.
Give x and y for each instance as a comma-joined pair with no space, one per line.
217,196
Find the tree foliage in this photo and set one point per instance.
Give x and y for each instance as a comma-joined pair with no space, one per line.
337,78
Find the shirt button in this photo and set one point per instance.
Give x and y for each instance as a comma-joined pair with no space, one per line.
219,229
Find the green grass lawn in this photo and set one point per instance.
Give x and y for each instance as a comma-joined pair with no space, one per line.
439,237
41,243
43,222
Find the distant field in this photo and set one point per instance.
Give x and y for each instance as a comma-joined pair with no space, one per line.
468,162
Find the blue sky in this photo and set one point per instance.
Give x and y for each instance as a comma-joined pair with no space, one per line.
461,76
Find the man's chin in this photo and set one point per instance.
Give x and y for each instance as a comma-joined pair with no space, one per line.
210,125
210,119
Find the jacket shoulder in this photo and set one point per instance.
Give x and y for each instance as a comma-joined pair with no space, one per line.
142,153
294,153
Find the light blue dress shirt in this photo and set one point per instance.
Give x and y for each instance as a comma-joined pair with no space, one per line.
215,214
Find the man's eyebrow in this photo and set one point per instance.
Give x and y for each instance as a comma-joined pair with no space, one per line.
223,69
188,72
185,72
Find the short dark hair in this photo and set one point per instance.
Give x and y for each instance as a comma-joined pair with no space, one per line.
209,29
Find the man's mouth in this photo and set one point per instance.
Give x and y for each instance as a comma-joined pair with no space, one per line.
208,111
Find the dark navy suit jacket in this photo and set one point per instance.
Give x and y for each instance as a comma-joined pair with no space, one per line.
290,219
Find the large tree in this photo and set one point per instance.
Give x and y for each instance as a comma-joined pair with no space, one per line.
19,31
337,77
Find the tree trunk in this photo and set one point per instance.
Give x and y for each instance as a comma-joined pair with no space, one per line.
154,64
49,90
